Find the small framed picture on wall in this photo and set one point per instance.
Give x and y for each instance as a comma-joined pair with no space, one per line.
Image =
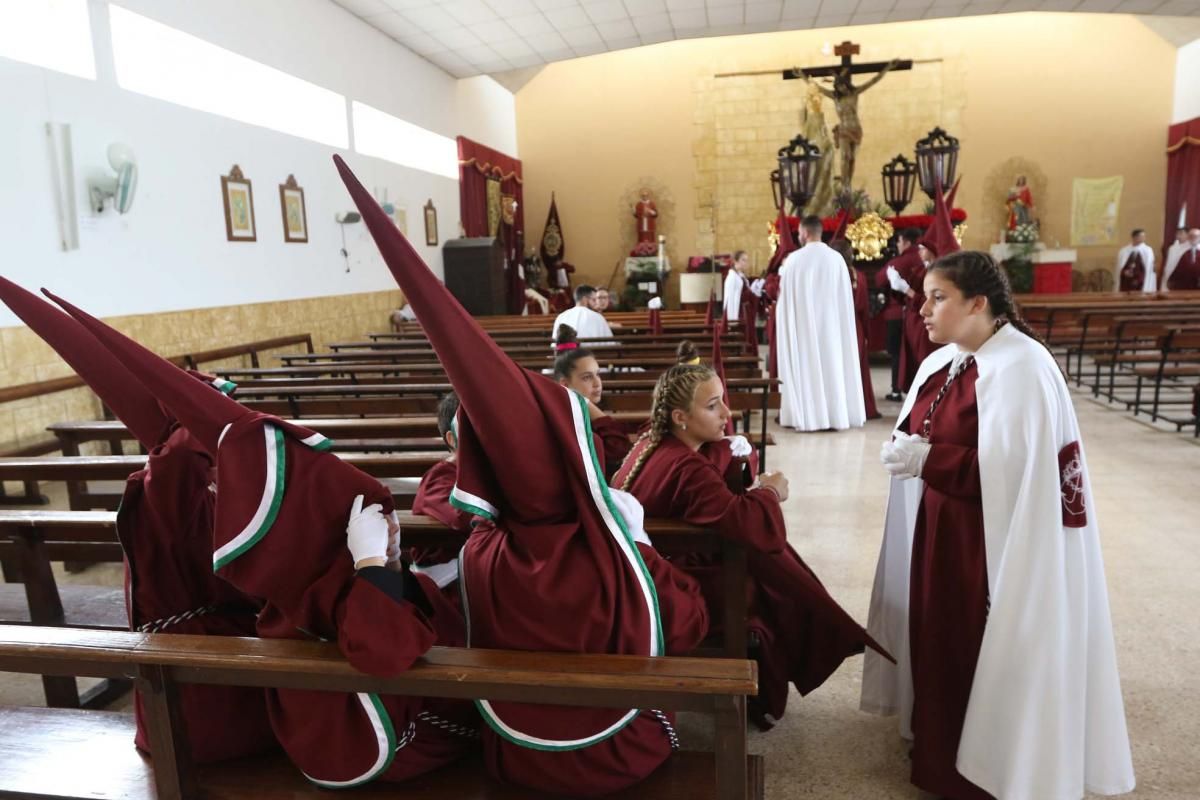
431,231
295,217
238,198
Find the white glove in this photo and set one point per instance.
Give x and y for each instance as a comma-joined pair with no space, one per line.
739,446
897,283
366,532
756,286
655,303
633,513
905,456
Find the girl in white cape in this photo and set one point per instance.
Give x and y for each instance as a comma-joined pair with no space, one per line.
990,586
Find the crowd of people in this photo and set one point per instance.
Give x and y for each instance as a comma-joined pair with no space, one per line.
988,633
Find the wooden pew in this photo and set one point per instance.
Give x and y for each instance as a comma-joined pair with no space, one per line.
44,762
1178,365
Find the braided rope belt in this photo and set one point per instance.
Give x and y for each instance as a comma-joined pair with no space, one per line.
446,725
672,734
162,624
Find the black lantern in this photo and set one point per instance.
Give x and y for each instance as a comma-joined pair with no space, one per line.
797,168
899,176
937,161
776,192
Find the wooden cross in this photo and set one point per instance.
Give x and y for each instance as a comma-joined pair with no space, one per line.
845,50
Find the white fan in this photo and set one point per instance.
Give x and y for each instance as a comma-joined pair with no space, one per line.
120,187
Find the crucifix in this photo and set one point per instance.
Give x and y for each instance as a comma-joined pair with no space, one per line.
848,133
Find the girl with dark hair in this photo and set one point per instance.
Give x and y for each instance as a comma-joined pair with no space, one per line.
990,585
803,633
576,367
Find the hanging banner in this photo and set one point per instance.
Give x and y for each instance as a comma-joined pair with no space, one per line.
1095,203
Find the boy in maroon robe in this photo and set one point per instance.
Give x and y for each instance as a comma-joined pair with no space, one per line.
433,493
893,282
164,525
562,567
280,533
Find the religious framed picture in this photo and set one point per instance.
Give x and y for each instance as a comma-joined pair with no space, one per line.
431,231
238,198
295,216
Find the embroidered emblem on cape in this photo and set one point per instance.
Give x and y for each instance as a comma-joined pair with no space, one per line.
1070,477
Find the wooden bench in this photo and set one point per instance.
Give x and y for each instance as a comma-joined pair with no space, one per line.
1178,363
46,748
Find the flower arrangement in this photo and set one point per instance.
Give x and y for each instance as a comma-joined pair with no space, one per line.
644,250
1024,233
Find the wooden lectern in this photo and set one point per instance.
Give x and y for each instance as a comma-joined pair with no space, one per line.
475,274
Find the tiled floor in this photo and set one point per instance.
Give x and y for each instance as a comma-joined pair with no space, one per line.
1147,486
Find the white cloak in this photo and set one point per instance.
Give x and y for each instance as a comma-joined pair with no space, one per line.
1150,284
1174,253
587,323
817,343
1045,719
733,295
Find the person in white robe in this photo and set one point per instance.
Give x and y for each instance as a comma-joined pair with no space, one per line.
735,280
1176,249
587,323
1045,718
1137,245
816,339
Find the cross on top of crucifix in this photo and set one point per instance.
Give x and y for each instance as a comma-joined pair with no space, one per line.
846,68
845,50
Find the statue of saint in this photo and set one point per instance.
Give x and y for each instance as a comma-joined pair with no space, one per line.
646,214
848,133
815,130
1020,204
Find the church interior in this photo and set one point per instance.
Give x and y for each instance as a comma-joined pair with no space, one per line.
174,176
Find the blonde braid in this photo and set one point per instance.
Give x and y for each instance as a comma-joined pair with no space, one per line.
675,389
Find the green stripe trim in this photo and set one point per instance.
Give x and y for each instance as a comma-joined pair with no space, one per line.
465,501
271,501
385,735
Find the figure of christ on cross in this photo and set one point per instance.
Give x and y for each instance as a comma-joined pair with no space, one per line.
848,133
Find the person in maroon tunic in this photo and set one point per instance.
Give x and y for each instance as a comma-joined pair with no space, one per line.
1184,273
280,533
861,311
948,600
164,526
891,282
576,367
560,562
433,493
804,634
938,241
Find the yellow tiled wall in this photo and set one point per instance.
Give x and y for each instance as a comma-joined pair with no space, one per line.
24,358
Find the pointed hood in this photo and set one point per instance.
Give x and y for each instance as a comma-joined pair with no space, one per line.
843,222
940,236
204,413
113,383
527,459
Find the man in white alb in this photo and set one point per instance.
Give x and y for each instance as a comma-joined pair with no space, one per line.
1135,265
816,339
586,322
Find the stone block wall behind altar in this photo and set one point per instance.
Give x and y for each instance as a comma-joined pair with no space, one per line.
1052,89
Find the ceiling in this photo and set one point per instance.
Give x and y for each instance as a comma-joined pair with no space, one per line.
475,37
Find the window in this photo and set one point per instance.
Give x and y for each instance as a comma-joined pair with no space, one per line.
56,34
159,61
381,135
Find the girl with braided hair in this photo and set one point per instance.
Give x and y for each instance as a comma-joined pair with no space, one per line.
803,633
576,367
990,584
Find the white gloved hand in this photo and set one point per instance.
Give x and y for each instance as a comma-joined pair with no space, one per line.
367,532
897,283
633,513
904,457
739,446
655,304
756,286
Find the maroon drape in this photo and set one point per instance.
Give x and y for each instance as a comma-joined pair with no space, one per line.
1183,175
476,163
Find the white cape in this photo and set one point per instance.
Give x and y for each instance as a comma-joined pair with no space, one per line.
817,343
1045,719
588,324
1150,283
732,295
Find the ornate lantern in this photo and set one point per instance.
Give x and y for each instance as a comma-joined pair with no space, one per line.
937,160
797,169
776,191
898,183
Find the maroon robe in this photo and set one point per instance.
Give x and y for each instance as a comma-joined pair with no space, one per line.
1133,273
862,308
613,442
948,600
165,525
771,300
805,635
916,345
1187,272
433,500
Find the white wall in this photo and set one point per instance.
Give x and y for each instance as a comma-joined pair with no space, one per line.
170,252
1187,83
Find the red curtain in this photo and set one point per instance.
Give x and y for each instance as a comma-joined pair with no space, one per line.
1183,176
476,165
